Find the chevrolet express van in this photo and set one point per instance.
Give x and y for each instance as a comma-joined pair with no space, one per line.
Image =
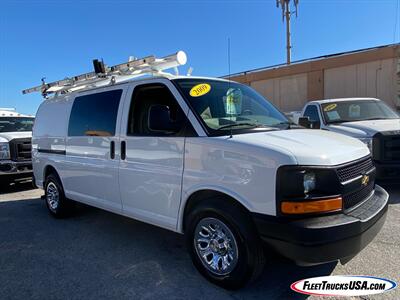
213,160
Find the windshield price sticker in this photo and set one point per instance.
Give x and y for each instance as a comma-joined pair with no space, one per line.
330,107
200,90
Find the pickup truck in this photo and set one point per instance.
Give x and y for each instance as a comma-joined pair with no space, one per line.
368,119
15,146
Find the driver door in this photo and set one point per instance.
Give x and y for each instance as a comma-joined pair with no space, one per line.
151,166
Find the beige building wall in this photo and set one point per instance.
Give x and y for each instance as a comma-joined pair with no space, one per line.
278,90
365,73
376,79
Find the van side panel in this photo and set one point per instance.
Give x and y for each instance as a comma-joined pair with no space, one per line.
49,135
245,173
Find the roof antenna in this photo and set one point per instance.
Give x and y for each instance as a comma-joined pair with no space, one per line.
229,77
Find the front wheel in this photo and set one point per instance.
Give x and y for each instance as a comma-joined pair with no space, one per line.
224,246
216,246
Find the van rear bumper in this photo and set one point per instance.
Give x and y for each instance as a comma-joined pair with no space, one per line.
327,238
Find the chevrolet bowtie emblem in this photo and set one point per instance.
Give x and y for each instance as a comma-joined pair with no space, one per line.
365,180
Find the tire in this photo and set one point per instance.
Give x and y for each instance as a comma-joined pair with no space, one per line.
239,243
58,205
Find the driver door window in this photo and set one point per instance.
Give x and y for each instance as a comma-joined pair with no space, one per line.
144,99
312,113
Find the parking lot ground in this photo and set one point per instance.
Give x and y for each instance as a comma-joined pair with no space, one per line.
100,255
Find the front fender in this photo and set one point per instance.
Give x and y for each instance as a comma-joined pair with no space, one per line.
213,188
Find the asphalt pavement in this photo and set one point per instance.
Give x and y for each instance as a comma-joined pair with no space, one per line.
100,255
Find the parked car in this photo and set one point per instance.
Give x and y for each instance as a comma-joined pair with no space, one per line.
211,159
368,119
15,146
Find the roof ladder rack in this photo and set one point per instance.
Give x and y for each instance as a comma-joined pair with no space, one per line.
104,75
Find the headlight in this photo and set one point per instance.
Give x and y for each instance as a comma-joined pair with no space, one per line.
368,143
4,151
307,189
309,182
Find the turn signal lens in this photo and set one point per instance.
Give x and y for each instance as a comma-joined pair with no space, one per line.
325,205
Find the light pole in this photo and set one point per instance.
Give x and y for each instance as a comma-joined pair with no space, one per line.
286,13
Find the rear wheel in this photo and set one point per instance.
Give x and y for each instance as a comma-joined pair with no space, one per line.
224,245
58,205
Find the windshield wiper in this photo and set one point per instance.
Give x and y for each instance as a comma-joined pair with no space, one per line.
288,124
370,119
252,125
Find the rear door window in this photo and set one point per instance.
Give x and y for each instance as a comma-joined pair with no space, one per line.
95,114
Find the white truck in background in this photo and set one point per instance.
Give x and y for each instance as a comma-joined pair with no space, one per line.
15,146
367,119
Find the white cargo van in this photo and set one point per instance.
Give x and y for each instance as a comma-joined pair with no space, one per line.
208,158
15,146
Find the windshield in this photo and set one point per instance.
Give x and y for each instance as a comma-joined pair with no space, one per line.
225,107
11,124
360,110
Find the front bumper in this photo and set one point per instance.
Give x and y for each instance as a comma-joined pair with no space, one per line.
388,172
327,238
14,170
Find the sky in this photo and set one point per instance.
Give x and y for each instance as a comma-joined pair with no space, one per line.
57,39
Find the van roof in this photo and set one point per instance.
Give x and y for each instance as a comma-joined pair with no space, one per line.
136,80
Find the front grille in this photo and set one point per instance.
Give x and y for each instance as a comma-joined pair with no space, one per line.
354,198
354,170
391,148
21,149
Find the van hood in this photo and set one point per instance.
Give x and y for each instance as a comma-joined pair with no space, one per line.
364,129
8,136
309,146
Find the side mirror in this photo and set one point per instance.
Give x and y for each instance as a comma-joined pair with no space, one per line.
305,122
159,119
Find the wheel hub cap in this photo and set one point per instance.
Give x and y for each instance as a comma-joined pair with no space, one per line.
52,195
216,246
